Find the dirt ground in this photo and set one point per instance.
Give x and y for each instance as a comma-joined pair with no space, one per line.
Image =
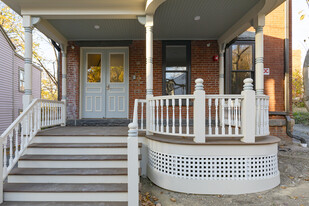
293,189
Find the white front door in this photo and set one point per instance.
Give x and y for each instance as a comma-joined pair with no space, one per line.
105,83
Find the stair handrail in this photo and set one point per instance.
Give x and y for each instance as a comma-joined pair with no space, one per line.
19,134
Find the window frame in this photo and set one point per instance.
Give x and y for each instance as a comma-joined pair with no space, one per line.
188,63
229,64
19,80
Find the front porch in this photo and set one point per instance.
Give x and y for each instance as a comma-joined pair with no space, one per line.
187,134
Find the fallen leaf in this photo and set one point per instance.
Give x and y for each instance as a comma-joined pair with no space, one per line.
158,204
293,197
219,195
307,179
291,177
283,187
259,196
173,199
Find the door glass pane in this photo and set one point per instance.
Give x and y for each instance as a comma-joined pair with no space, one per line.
176,83
242,57
237,81
94,68
116,68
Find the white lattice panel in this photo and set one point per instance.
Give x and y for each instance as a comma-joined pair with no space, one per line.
214,168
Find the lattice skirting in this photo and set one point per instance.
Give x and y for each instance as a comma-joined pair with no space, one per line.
212,174
214,168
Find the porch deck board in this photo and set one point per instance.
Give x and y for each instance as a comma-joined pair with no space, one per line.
85,131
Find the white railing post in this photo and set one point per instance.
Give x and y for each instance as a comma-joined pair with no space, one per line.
199,111
133,176
248,112
63,112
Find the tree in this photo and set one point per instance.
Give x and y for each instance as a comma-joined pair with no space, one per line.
12,24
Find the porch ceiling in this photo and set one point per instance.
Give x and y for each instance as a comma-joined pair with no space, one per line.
174,19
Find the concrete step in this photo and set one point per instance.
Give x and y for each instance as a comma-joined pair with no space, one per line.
65,192
68,175
73,161
77,149
79,139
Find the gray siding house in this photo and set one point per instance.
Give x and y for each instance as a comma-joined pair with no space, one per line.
12,81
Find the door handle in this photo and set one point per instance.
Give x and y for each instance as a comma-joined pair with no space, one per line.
107,87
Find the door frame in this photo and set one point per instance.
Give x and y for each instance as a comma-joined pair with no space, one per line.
81,86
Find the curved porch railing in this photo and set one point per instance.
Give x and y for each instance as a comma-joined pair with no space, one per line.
16,138
199,115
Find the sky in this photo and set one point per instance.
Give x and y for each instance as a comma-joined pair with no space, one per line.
300,35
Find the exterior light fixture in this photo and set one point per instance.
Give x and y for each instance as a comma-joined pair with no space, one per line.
97,26
197,18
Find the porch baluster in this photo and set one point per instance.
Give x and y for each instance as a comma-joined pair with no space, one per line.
209,116
173,106
167,122
257,116
236,117
162,107
180,121
187,105
142,116
11,148
229,116
157,104
222,120
216,128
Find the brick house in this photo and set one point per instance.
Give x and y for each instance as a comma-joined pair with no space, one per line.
208,89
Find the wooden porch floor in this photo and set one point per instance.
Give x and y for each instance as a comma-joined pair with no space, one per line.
85,131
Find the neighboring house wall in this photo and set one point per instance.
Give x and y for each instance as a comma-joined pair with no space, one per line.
10,96
6,84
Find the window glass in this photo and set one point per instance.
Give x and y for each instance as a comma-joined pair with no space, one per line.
116,68
237,81
176,83
241,57
21,80
176,69
94,68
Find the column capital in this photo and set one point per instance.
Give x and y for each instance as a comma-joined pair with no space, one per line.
258,21
149,21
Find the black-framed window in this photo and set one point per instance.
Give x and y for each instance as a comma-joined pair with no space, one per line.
21,80
176,56
240,65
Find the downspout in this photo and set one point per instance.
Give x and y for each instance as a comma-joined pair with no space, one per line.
57,47
289,121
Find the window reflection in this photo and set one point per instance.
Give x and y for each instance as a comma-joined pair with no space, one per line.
94,68
117,68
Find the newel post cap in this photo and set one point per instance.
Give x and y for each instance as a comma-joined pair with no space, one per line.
248,84
199,84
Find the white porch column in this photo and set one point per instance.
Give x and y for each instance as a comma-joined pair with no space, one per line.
221,69
64,84
149,68
259,54
149,55
28,26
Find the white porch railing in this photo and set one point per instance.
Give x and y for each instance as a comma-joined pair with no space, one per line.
199,115
15,139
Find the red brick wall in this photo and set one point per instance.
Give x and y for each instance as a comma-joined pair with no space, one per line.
202,66
73,77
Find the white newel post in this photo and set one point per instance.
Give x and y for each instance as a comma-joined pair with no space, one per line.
149,69
133,176
259,54
64,87
199,112
248,112
28,26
